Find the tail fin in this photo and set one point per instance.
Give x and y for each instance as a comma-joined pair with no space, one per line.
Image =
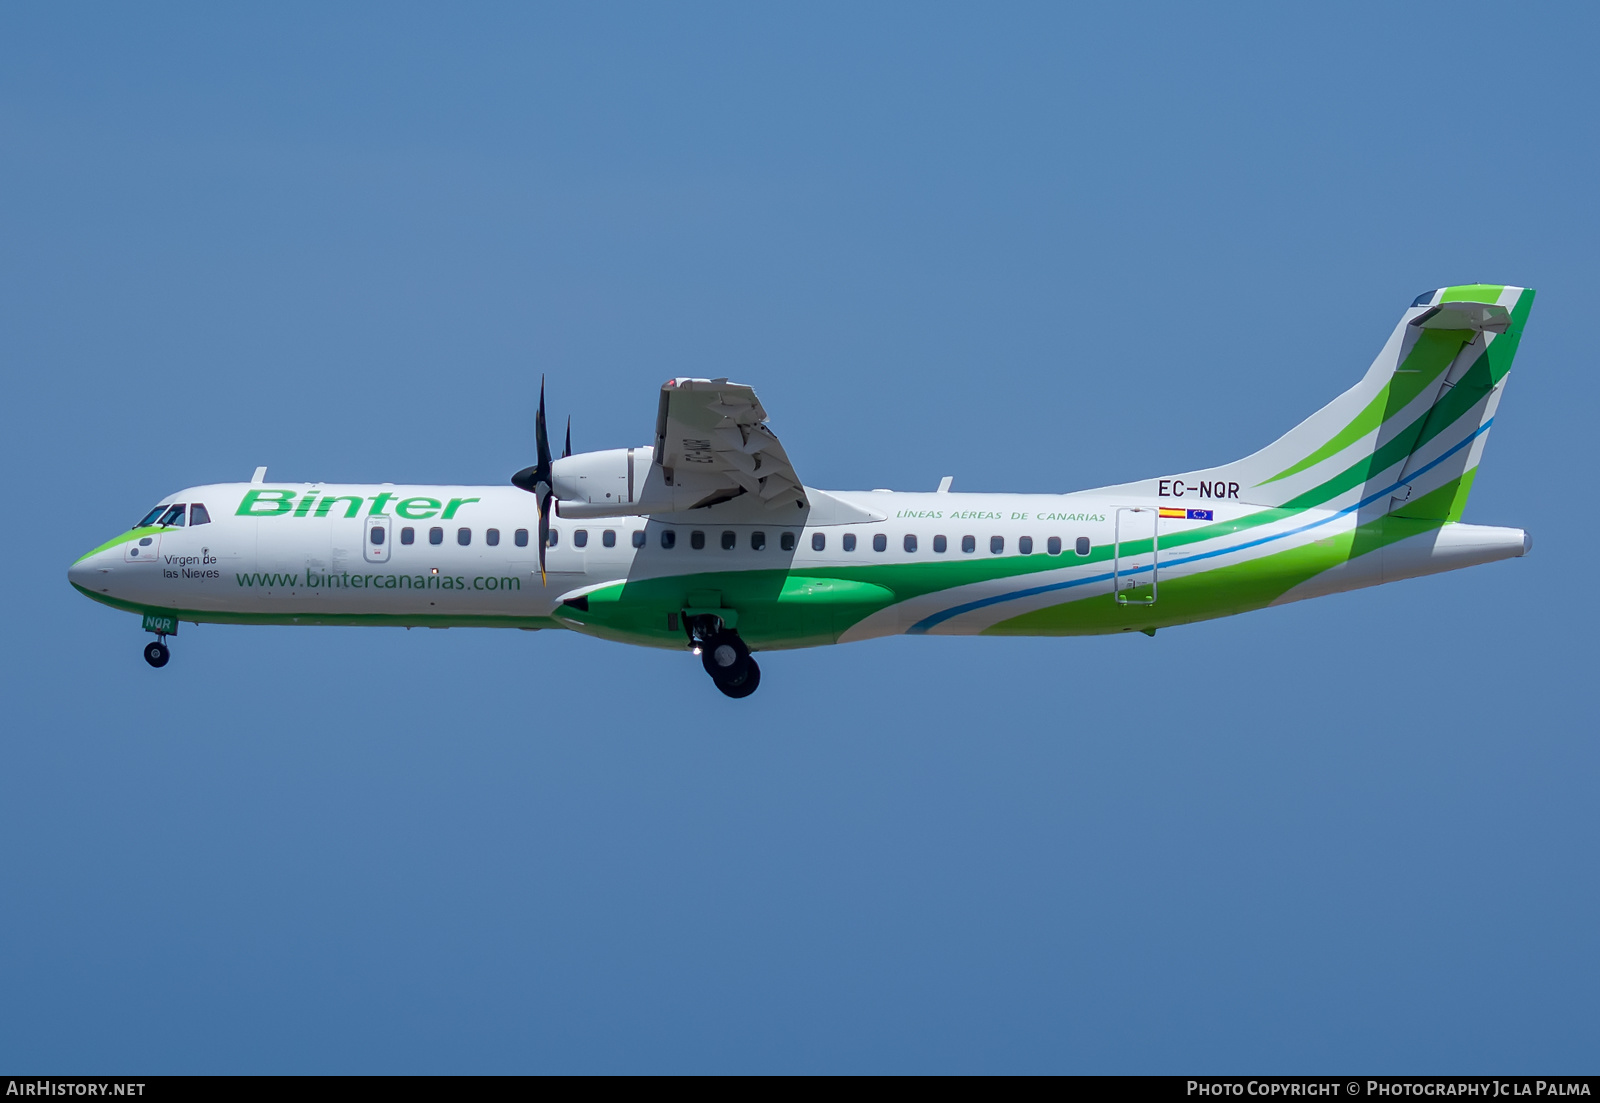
1415,425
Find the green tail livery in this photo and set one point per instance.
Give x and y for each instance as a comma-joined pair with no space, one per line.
707,539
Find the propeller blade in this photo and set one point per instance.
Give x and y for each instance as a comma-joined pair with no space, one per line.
544,535
541,437
567,451
530,478
539,480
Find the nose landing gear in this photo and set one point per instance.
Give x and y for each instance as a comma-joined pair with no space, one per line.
726,659
156,653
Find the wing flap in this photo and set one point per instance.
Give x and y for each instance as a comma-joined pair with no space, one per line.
712,439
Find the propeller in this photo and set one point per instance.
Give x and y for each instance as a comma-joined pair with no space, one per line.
539,480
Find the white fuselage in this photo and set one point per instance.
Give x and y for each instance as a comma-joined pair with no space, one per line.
469,554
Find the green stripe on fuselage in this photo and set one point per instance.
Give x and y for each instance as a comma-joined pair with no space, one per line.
1235,588
121,538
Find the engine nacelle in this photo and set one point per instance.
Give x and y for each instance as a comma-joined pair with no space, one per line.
611,479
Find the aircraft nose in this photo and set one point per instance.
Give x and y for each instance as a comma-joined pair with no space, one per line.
91,571
80,574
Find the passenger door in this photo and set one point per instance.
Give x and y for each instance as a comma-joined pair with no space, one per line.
1135,555
379,534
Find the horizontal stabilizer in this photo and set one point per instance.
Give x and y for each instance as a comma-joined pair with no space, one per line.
1479,317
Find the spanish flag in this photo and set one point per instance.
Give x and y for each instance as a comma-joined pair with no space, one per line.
1186,514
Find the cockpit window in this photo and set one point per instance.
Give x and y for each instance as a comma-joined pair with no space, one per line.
173,516
198,515
150,518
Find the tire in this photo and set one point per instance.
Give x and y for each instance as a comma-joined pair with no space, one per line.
156,654
745,688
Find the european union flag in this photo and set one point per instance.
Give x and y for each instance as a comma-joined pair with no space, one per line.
1199,515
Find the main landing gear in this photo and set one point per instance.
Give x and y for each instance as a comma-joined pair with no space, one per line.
156,652
726,659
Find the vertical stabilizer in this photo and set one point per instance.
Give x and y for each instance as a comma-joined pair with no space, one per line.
1414,425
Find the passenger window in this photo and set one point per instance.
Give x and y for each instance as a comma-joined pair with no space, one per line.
730,540
1083,545
375,534
198,515
940,544
1053,545
1025,545
758,541
609,538
436,535
997,544
408,535
463,537
173,516
880,542
910,543
521,538
849,541
697,540
580,538
553,539
492,538
786,542
669,537
969,544
638,539
818,541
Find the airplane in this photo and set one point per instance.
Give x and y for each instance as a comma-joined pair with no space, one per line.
708,540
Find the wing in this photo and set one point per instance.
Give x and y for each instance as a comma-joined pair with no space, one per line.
713,444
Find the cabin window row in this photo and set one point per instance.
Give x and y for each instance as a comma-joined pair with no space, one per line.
819,541
730,540
408,535
608,538
669,539
941,544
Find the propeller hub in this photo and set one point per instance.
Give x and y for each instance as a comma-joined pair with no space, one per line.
527,479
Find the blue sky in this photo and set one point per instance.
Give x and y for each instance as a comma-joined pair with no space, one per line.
1035,247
